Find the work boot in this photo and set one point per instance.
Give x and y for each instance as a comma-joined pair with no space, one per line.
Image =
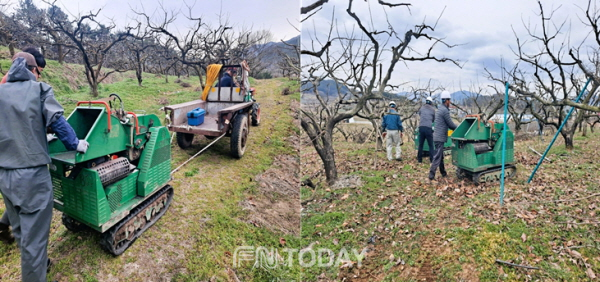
5,234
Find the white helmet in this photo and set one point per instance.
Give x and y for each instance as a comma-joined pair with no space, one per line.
445,95
392,104
429,99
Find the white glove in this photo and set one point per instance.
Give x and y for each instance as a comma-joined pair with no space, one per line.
50,137
82,146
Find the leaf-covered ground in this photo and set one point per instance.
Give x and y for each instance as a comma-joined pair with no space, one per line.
453,230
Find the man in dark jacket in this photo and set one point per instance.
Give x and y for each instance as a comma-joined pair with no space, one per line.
227,78
392,125
426,118
442,123
27,108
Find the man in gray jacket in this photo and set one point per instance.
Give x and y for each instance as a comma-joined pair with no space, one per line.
442,123
426,118
27,108
5,234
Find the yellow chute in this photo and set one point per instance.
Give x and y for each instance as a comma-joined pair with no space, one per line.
212,73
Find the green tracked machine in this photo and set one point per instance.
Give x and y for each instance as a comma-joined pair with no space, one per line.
477,151
119,187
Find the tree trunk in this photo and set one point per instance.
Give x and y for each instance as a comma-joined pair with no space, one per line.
584,133
568,137
11,49
138,74
94,89
323,144
61,54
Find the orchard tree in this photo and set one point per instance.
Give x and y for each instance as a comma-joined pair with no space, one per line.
363,60
556,72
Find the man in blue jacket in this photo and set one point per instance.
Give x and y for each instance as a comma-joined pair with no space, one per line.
27,108
392,125
440,135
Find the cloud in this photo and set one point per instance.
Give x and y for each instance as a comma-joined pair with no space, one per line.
484,32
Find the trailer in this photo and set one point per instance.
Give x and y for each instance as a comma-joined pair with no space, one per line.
223,110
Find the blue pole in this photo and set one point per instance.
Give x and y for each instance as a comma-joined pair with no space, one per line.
557,132
503,146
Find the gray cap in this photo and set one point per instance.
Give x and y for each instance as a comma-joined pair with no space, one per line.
29,59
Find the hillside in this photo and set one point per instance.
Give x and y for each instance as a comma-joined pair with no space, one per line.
328,88
275,52
220,203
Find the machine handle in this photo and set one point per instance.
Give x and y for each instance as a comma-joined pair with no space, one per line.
102,103
137,124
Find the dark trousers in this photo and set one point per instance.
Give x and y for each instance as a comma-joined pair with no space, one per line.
425,134
438,160
27,194
4,220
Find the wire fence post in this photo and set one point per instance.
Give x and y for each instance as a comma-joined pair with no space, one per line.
503,146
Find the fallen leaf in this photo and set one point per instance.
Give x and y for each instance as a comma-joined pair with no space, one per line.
346,264
590,273
282,241
523,237
345,196
336,241
575,254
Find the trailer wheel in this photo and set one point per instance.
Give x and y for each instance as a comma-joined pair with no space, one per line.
184,140
256,114
239,135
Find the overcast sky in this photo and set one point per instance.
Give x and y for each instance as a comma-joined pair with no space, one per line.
278,16
484,30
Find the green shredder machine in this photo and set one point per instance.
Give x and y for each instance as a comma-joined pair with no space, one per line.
119,187
477,151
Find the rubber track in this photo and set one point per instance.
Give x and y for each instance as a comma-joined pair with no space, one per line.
108,237
493,171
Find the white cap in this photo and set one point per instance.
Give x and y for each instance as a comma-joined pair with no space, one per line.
429,99
392,104
445,95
